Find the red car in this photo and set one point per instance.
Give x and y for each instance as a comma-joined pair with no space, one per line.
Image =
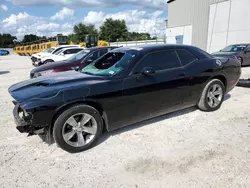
78,61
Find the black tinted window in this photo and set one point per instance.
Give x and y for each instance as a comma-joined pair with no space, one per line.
185,57
160,61
72,51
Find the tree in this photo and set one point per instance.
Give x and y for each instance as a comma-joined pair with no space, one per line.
30,38
7,40
81,29
138,36
114,30
73,38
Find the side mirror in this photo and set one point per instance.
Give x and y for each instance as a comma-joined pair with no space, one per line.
75,68
147,71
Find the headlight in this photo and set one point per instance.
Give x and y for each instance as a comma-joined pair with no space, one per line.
239,59
37,74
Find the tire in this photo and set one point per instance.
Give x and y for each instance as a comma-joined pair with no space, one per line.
62,129
244,83
48,61
205,103
240,60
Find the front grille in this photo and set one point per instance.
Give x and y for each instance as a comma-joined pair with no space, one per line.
23,114
34,59
32,75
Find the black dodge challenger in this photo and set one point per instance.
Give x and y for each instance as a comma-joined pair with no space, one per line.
124,86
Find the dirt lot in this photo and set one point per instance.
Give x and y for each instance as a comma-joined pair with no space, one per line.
189,148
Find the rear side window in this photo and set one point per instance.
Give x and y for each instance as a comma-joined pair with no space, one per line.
159,61
72,51
186,57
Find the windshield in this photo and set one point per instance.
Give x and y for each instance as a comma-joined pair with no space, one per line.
111,63
234,48
50,50
79,55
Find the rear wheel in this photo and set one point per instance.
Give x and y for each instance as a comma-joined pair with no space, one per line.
78,128
212,96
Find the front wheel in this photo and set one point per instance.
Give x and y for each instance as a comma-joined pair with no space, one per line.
240,60
48,61
78,128
212,96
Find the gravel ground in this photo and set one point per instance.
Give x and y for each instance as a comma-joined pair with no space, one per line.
188,148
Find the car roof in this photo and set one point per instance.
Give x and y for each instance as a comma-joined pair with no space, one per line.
101,47
149,48
64,49
155,47
239,44
66,46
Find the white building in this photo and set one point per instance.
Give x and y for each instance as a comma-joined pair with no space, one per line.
208,24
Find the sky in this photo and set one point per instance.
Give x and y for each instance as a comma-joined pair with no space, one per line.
50,17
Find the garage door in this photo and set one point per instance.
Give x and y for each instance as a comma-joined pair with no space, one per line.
228,24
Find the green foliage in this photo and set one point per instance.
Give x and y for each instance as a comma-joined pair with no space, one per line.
80,30
73,38
30,38
114,30
7,40
138,36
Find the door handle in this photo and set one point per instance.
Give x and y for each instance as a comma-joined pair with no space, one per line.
181,74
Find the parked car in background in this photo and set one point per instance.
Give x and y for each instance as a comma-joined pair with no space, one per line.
48,52
4,52
77,61
61,55
240,51
124,86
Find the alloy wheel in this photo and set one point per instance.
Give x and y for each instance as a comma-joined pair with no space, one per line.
214,95
79,129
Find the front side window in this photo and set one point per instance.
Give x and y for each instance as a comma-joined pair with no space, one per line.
161,60
68,51
80,55
185,57
111,63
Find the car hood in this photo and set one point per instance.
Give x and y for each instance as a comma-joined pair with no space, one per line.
47,87
41,54
49,66
222,54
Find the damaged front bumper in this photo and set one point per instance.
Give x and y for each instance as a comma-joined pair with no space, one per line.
23,121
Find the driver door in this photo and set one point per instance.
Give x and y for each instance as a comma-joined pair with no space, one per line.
157,85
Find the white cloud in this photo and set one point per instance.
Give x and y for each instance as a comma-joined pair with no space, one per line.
152,4
137,21
3,7
23,23
17,19
63,14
